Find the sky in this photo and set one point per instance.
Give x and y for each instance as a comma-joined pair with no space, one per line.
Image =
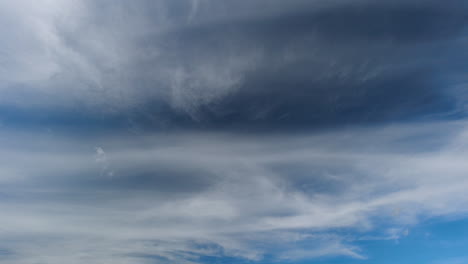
233,132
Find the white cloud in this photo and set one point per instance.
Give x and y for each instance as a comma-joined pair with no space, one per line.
60,53
365,174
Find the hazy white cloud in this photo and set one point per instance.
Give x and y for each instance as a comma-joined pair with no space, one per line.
246,207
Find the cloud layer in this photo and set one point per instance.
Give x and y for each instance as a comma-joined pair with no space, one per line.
180,198
242,64
204,130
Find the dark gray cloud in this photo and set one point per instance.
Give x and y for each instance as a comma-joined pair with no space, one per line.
351,62
248,65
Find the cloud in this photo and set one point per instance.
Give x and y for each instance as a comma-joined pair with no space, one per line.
185,196
301,64
190,131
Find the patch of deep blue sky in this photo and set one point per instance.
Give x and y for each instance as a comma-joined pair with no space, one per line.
283,67
436,241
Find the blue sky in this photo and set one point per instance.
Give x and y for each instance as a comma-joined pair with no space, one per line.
247,131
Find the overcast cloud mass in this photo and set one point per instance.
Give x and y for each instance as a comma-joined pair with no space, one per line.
223,131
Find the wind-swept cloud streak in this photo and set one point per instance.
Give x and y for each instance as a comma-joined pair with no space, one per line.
180,197
191,131
154,64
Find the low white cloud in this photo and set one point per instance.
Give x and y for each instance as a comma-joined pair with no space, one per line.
246,207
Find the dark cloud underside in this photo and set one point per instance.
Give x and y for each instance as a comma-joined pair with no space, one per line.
308,66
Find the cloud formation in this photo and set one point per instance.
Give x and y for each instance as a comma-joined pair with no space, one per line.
197,131
242,64
187,196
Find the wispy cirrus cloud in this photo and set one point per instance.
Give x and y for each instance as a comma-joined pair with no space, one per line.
183,196
244,65
191,131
